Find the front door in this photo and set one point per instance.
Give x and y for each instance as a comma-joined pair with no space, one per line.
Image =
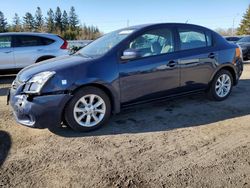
156,73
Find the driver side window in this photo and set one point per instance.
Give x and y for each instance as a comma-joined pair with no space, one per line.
154,42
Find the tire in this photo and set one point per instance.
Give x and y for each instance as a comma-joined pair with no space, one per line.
83,115
214,89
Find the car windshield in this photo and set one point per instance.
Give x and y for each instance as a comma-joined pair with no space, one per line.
245,39
102,45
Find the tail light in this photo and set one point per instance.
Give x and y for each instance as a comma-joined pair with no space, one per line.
65,43
238,52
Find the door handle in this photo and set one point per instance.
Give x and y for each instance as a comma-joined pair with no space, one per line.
172,64
211,56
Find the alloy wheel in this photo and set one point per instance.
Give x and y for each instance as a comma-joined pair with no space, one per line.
89,110
223,85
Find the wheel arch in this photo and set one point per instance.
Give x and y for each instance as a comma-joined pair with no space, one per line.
229,68
115,105
45,57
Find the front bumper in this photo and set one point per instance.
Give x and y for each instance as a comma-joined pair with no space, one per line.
40,111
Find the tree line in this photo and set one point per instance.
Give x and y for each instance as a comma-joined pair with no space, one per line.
63,23
244,28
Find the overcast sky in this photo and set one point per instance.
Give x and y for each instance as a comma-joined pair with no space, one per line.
109,15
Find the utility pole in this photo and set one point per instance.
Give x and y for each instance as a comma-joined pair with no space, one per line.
233,24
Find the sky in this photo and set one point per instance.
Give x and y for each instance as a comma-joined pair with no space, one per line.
110,15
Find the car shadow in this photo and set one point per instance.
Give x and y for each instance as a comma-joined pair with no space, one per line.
5,145
5,84
184,112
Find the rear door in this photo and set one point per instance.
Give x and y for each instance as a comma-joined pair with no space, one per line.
197,57
27,50
6,53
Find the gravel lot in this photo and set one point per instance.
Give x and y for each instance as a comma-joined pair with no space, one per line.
189,142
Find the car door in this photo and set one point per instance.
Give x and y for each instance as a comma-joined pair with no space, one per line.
197,58
26,50
6,53
156,73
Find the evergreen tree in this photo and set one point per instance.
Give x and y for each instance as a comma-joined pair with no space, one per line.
65,21
3,23
17,25
58,19
39,21
50,21
73,19
244,28
29,22
61,23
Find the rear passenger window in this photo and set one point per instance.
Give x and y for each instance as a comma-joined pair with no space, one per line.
46,41
190,39
28,41
5,42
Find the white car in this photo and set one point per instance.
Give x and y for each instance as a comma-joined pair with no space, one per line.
18,50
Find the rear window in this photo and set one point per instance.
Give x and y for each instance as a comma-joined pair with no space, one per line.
191,39
5,42
232,38
27,41
245,39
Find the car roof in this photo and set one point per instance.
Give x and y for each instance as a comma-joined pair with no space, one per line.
28,33
138,27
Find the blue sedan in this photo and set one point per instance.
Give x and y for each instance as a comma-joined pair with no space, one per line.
125,67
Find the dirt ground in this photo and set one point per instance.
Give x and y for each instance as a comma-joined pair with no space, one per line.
188,142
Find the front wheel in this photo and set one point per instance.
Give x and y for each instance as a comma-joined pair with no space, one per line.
221,86
89,109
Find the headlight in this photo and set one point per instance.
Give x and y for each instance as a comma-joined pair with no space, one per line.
36,83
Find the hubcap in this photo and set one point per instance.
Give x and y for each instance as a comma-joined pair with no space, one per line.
89,110
223,85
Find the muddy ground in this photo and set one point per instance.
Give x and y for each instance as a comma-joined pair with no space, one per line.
188,142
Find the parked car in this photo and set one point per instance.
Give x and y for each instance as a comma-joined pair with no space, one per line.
244,43
233,39
125,67
76,45
18,50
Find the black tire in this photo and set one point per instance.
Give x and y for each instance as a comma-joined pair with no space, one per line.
212,89
69,110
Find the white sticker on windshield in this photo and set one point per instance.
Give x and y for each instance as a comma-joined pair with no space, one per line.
64,82
126,32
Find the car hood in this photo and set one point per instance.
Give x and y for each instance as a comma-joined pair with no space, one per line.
59,63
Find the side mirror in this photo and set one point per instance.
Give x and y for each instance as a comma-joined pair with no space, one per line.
130,54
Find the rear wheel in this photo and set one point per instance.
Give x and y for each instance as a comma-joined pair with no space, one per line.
89,109
221,86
